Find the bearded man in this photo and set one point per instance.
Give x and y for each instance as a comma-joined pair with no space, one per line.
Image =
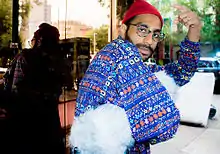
124,105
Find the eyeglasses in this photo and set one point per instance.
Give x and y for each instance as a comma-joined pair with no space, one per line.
143,30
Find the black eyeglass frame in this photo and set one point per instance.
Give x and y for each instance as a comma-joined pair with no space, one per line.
155,36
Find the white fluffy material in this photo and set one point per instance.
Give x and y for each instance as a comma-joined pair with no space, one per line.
105,130
169,83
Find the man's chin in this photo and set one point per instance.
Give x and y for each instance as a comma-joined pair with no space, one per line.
145,58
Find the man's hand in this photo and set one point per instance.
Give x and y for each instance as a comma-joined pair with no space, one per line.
191,21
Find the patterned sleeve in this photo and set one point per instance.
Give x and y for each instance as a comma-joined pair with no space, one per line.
184,68
15,73
98,85
19,70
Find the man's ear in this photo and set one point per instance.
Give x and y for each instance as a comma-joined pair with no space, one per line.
123,30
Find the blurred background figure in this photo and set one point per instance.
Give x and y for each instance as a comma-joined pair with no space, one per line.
37,76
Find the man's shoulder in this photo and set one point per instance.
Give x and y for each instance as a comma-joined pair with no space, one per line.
116,49
109,52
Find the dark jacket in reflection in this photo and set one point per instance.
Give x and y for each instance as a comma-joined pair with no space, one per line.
36,78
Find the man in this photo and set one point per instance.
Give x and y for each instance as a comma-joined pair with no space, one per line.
123,105
36,77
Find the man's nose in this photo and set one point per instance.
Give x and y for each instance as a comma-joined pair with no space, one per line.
149,39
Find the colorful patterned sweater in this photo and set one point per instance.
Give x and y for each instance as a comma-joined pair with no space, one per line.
117,75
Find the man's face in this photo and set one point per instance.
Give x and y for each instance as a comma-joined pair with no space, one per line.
144,32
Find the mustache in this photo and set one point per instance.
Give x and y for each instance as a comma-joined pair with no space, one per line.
139,45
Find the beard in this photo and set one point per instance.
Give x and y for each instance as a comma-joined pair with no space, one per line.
146,51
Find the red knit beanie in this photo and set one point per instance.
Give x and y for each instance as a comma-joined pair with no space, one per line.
141,7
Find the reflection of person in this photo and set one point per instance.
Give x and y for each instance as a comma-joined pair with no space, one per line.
5,54
125,105
36,76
